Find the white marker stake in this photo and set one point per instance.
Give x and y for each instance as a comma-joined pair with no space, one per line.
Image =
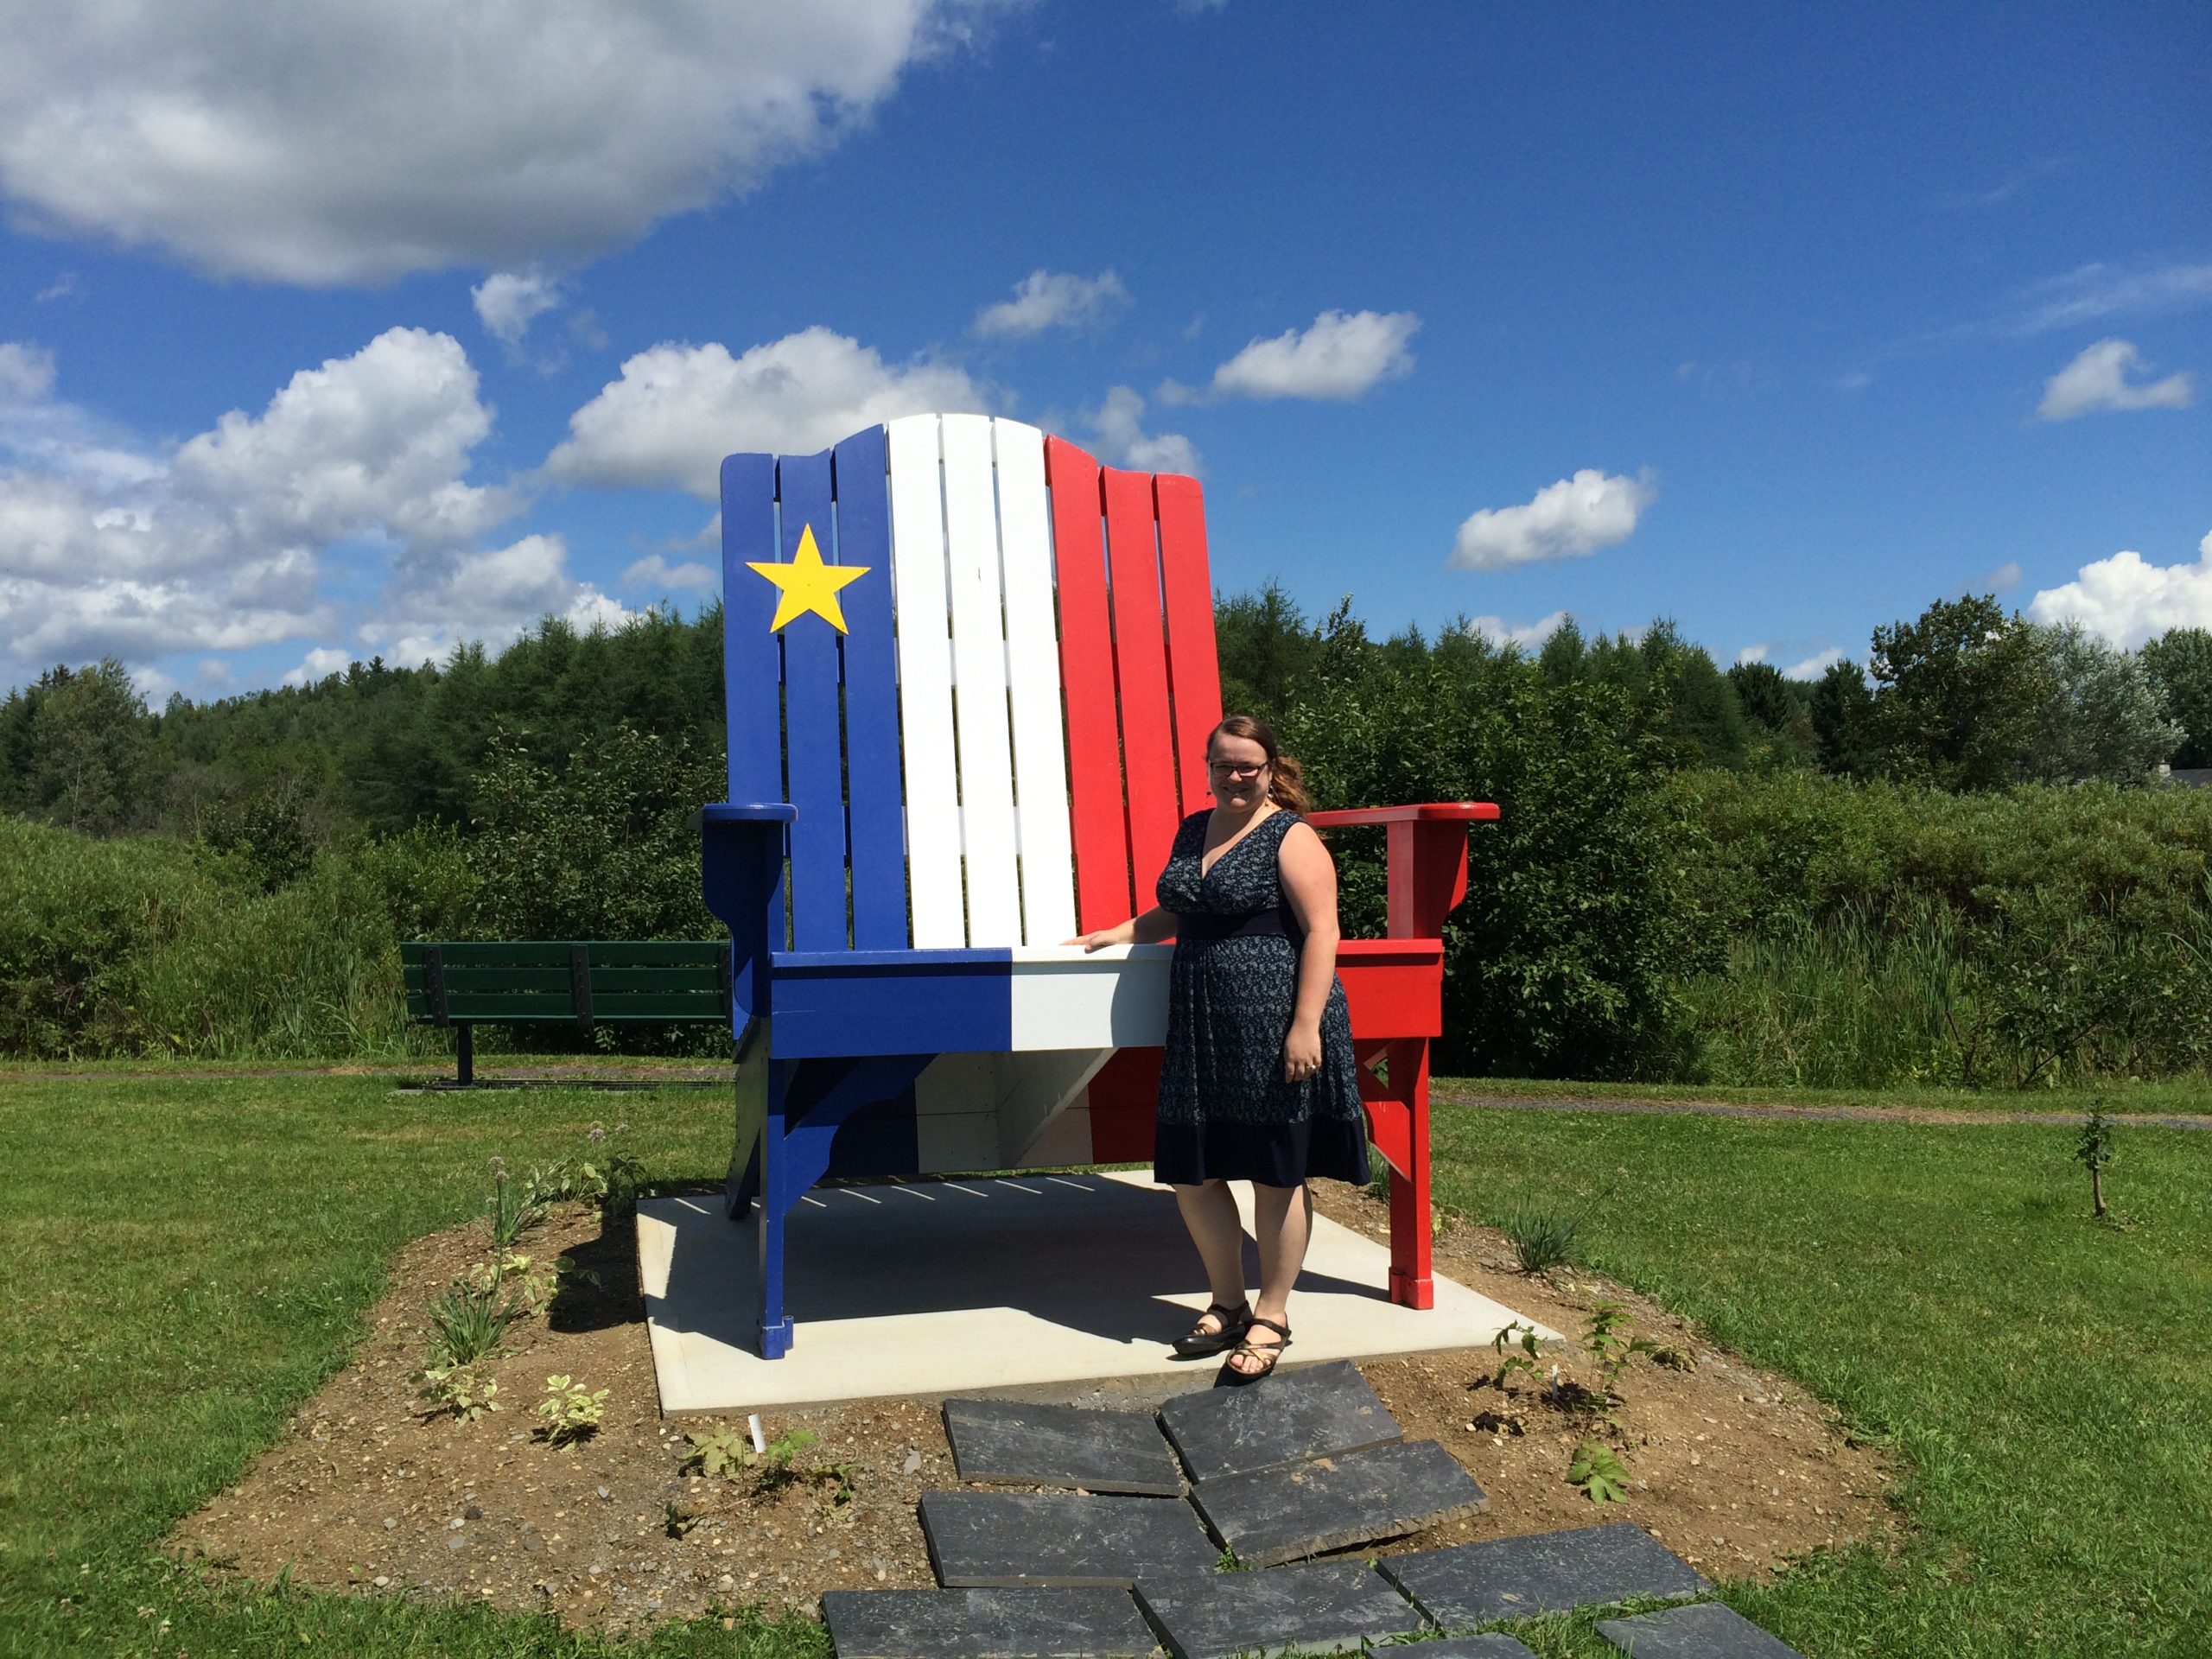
752,1422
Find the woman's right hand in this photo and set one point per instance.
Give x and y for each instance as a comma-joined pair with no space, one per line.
1105,936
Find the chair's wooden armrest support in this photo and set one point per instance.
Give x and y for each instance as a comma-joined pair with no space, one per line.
741,871
1427,854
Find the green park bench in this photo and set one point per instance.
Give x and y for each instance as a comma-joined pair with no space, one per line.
553,982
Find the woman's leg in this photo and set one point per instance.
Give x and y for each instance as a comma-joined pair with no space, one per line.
1284,1219
1210,1211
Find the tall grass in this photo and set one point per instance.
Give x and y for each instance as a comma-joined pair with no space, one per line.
142,946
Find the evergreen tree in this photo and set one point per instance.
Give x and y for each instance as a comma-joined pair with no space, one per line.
1841,709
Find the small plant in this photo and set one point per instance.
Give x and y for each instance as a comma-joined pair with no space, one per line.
2093,1148
720,1456
1227,1561
1610,1344
605,1176
468,1320
1598,1473
1542,1238
570,1410
510,1210
677,1521
729,1454
459,1390
1509,1363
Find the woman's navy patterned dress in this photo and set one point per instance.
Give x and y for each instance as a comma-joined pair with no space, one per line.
1225,1112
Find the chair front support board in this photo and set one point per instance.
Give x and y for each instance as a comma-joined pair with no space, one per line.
969,676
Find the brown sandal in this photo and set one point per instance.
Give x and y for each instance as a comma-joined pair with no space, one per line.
1271,1353
1198,1344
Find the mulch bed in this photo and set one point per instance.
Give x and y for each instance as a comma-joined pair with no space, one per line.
1739,1470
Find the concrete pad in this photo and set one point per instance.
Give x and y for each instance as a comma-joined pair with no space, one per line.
992,1284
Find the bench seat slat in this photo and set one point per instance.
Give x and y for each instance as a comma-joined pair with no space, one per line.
541,953
704,979
619,1005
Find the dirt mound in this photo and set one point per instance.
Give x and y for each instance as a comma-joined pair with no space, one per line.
1738,1469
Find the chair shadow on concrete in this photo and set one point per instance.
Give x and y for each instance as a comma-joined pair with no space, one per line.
1104,1258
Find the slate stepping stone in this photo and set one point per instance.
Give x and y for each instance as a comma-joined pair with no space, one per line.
1494,1645
1705,1630
1288,1419
1285,1514
1332,1607
1061,1445
1547,1571
1025,1624
983,1540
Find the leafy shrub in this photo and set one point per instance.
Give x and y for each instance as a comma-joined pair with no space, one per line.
570,1410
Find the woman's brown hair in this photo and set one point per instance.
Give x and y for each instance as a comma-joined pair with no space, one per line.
1285,778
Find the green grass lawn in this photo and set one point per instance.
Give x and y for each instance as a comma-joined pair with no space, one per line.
2169,1097
189,1259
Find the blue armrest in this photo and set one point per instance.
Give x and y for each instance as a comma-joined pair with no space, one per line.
748,812
741,865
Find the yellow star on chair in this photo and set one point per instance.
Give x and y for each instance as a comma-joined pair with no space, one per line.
807,584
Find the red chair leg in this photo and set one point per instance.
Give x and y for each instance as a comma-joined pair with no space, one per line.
1411,1283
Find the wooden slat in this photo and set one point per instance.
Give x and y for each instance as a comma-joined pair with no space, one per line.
1040,778
1140,676
608,953
874,820
979,704
813,745
750,664
925,684
1193,666
1097,820
490,1005
686,978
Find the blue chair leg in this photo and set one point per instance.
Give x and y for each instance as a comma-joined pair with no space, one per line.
748,1147
777,1170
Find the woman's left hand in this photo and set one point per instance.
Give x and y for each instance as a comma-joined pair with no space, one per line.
1301,1053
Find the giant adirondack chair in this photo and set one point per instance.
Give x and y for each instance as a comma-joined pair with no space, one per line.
970,673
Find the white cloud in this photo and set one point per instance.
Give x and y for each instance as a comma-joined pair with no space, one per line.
492,595
2005,576
678,409
507,302
63,287
321,145
2125,600
1564,520
2092,292
1341,356
109,546
654,572
373,442
1122,439
1527,635
1052,299
2098,380
317,665
1815,665
1754,653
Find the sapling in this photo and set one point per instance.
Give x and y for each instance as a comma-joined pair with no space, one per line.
2094,1147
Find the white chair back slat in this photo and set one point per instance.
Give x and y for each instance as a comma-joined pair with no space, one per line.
979,683
1040,775
918,567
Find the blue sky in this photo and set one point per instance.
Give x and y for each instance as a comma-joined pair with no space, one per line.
338,333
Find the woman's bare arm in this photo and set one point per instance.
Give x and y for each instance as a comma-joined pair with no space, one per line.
1151,928
1309,888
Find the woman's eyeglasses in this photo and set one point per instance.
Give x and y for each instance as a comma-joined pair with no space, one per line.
1225,769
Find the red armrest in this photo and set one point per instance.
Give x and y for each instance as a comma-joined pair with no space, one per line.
1427,867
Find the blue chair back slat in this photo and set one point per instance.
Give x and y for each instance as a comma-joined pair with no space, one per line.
876,818
813,759
752,673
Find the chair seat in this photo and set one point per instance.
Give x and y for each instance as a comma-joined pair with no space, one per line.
1025,998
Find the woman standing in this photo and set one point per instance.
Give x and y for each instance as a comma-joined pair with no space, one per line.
1259,1082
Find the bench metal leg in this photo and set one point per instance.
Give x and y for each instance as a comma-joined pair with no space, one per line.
464,1050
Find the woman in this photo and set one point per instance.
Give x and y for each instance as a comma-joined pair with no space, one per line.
1259,1082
